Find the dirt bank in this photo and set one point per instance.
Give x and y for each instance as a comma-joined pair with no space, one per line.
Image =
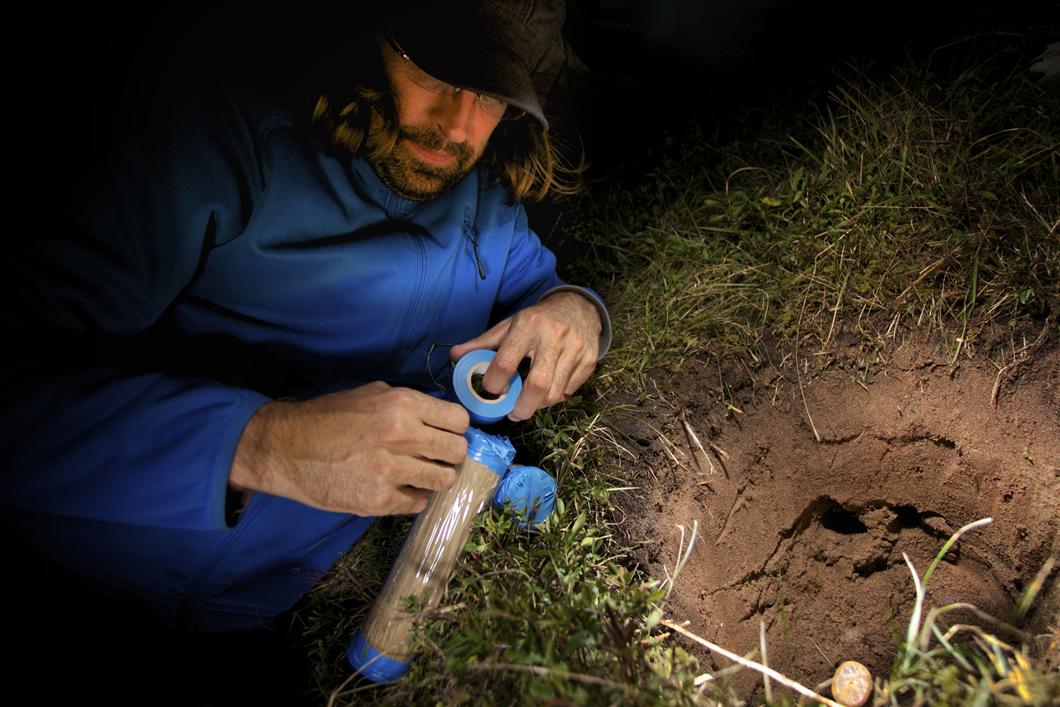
816,479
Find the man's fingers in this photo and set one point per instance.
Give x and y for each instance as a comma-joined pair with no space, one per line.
565,382
408,500
439,446
444,415
538,382
581,374
515,347
556,334
490,339
426,475
561,379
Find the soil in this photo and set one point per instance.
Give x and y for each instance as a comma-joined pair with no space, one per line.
807,534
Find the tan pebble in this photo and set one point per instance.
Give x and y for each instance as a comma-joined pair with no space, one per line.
852,684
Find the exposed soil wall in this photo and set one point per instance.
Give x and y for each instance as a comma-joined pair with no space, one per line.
808,535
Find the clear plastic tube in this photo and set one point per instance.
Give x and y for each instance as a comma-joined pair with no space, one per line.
428,557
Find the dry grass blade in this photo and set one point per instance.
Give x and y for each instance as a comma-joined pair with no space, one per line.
1018,358
748,663
719,451
918,608
1032,590
936,612
927,270
683,553
765,661
798,376
699,454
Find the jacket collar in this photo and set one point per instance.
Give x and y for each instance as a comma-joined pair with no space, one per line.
368,181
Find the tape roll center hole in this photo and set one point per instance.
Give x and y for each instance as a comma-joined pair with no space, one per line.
480,391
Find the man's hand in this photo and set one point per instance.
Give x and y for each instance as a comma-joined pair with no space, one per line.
373,450
560,334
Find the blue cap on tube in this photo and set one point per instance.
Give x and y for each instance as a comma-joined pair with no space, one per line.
371,663
530,491
491,451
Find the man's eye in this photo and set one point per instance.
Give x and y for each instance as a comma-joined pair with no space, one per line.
493,104
424,79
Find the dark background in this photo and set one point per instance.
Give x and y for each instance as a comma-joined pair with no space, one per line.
653,64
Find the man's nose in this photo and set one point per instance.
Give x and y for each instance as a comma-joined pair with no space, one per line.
454,114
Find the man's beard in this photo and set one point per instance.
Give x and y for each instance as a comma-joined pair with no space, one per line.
411,178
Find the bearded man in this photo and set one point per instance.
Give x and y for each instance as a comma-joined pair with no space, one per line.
251,299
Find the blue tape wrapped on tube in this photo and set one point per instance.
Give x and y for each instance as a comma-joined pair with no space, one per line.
371,663
530,491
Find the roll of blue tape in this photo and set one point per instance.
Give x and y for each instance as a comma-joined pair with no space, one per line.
482,410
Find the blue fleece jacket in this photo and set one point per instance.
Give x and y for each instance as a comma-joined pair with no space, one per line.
197,276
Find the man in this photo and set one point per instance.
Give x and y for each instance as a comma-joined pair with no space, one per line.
226,373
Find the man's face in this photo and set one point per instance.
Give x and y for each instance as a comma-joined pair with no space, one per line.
440,135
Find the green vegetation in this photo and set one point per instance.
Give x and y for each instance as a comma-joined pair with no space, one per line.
921,199
909,200
984,670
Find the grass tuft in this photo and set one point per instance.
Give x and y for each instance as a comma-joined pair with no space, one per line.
968,665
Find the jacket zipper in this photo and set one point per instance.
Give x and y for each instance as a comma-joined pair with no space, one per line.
469,229
414,301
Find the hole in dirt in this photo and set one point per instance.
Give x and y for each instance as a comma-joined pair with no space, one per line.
812,538
905,517
842,521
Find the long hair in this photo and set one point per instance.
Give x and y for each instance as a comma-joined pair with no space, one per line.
519,154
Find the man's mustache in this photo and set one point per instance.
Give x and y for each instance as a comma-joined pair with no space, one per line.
425,137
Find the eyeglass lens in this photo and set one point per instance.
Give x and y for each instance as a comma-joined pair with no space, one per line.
493,106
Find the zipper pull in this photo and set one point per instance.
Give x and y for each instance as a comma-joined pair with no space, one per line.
474,245
478,262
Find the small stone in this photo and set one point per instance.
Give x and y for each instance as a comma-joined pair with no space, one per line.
852,684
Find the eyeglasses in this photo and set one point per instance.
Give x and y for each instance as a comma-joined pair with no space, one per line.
489,104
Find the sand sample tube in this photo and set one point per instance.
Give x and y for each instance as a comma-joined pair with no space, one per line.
422,570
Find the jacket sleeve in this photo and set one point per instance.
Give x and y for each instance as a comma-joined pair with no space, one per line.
90,428
530,276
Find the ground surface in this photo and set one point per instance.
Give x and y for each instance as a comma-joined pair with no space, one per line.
808,535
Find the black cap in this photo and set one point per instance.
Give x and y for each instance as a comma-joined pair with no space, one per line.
511,49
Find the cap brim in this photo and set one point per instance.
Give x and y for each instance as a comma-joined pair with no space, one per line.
473,62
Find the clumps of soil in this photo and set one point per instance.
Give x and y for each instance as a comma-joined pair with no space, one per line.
812,483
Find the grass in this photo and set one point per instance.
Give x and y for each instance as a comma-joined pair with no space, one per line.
979,671
908,201
921,199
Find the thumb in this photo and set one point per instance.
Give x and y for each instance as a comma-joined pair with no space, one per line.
490,339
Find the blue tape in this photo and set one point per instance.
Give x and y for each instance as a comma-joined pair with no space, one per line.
371,663
530,491
492,451
481,410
